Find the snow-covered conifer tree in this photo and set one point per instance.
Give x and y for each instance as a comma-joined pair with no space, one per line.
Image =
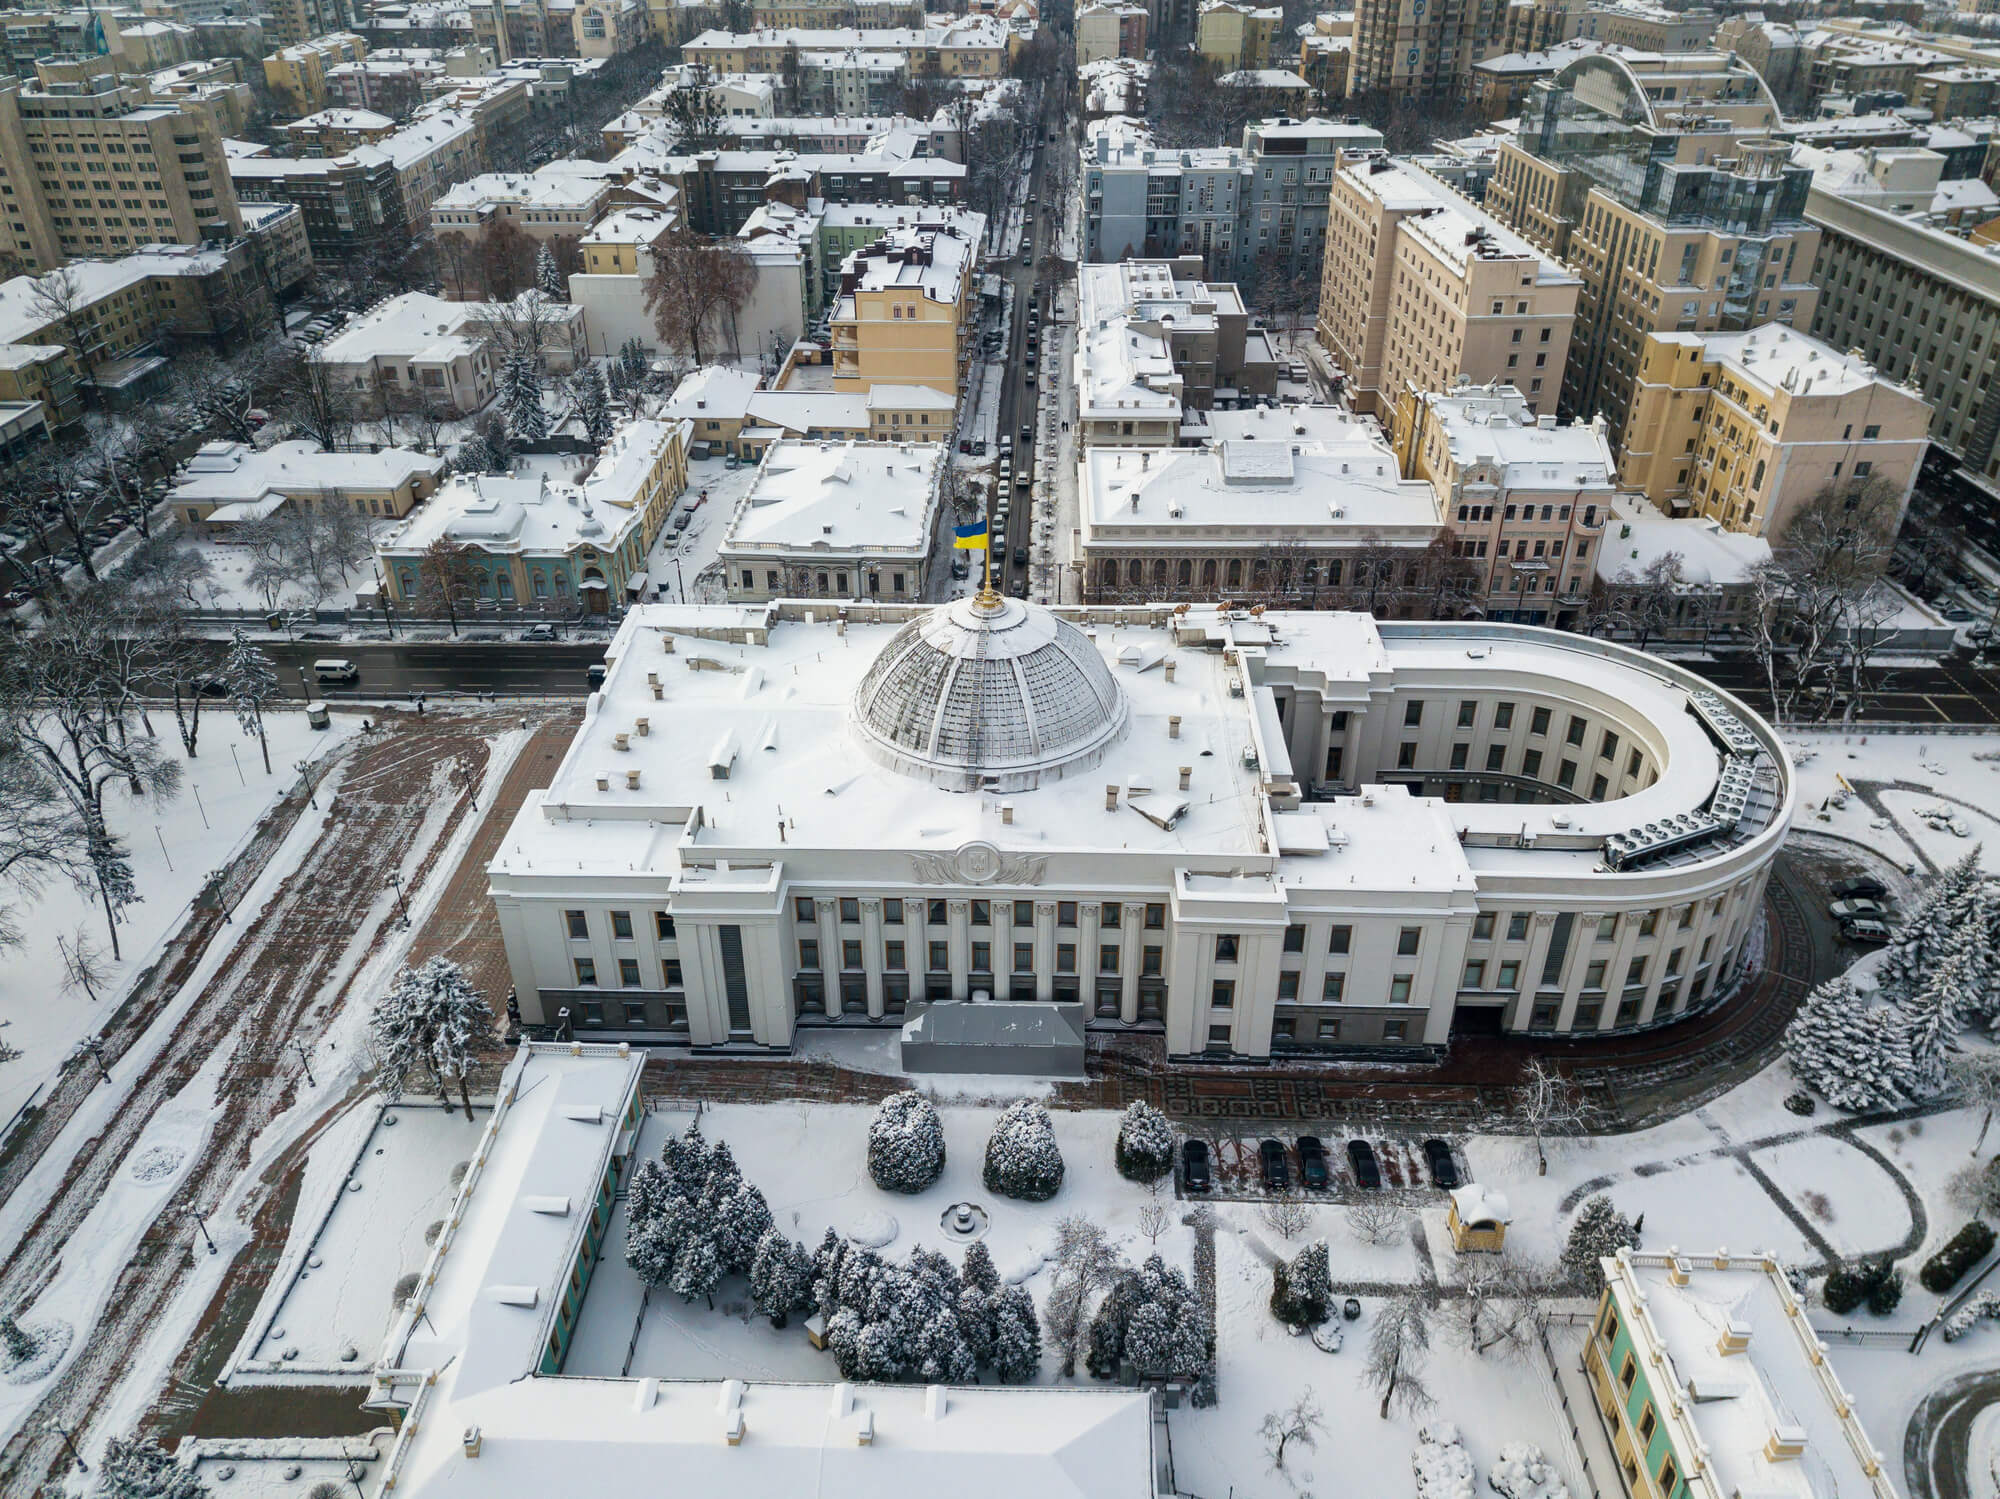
432,1021
780,1276
1600,1231
1929,929
521,395
737,1217
252,684
143,1469
1301,1289
905,1143
1927,1025
592,402
20,1345
1017,1337
1145,1143
1022,1159
1842,1050
548,278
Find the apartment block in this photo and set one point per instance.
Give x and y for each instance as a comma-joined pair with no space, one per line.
1645,27
1110,30
1525,498
297,72
543,205
1745,428
290,22
1920,303
1234,35
1423,48
903,309
1225,204
1656,181
91,166
1420,287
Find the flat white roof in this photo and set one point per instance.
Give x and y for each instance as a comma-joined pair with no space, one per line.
1492,425
842,497
222,471
1274,486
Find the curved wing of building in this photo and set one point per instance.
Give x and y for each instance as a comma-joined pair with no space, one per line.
1255,833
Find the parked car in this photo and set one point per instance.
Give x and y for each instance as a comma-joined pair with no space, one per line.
960,568
539,632
1861,887
1957,614
1865,929
1276,1168
1312,1163
1444,1170
1361,1157
1031,379
1027,257
1857,910
1194,1167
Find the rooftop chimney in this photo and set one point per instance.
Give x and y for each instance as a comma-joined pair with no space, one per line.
473,1441
1110,805
936,1401
1174,726
1169,668
1186,772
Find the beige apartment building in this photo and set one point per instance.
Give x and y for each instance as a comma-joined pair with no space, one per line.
1423,48
902,310
1525,498
94,167
297,73
1744,428
1233,35
1419,287
1657,182
1648,28
1110,30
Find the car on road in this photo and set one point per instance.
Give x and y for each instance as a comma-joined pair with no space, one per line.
1027,257
1022,479
594,675
1860,887
1027,433
1444,1170
1865,929
1020,556
1857,910
1312,1163
1361,1157
1031,380
1274,1166
1194,1167
539,632
1957,615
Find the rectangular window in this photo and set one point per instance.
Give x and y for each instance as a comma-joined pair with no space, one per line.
1593,975
1223,995
1406,756
892,956
1218,1036
1288,986
850,954
1395,1030
850,909
1496,758
1517,927
1635,975
802,908
1156,917
937,913
1150,960
1107,958
1413,714
635,1014
1503,716
628,973
1467,711
892,912
1576,731
663,926
940,953
621,926
1399,989
1510,976
670,970
1566,777
1458,755
808,953
586,971
1024,957
1474,976
1225,948
1065,957
579,927
982,957
982,913
1607,748
1065,913
1334,987
1531,764
1597,788
1341,939
1482,927
1295,938
1538,721
1109,915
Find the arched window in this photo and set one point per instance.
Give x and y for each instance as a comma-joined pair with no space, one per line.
506,585
562,585
1235,572
1208,573
1110,575
541,585
409,583
1186,574
1135,573
1160,575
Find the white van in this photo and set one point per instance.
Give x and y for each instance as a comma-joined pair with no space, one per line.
332,670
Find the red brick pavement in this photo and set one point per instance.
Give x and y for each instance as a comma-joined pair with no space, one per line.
461,925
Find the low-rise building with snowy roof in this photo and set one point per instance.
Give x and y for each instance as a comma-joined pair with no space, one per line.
1712,1383
836,520
1272,518
475,1362
1246,832
526,540
226,484
542,205
1153,338
1278,81
420,348
1683,577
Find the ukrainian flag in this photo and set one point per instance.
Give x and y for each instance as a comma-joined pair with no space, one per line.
970,538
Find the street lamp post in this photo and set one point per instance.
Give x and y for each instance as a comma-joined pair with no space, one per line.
396,884
81,1465
195,1213
305,1061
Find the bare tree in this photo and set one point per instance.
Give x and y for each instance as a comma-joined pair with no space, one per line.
321,409
1976,1189
58,298
1397,1348
697,285
41,839
1506,1303
1299,1425
694,113
1152,1222
1085,1261
1975,1079
506,260
1377,1219
1287,1216
83,964
446,582
1650,598
1549,1104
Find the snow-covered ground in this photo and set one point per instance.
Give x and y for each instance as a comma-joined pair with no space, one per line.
1962,769
376,1185
224,793
686,559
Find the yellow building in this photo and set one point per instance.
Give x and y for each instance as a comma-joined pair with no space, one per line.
1418,287
1744,428
232,484
1478,1220
44,373
901,316
297,74
1233,35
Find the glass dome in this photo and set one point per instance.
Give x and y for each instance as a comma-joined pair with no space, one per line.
988,692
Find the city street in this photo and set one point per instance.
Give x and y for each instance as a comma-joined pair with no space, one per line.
401,669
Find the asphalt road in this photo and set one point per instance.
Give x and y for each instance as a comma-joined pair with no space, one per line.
1954,691
1937,1448
508,669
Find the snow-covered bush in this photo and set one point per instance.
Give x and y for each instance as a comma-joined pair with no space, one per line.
1961,1252
143,1469
905,1143
1599,1232
1145,1144
1983,1307
1523,1473
1877,1282
1151,1319
1022,1159
1443,1467
1301,1289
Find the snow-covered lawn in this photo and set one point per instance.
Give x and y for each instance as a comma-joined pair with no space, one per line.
374,1186
173,848
1846,1195
1961,766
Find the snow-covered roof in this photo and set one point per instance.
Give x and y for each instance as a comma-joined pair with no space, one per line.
846,497
933,258
1125,312
715,391
1492,425
1637,534
21,318
1777,1390
1774,357
1447,222
416,325
343,119
1278,487
1478,1203
221,472
541,189
1263,78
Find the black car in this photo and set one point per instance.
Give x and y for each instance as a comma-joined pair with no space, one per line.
1020,556
1194,1166
1444,1170
1361,1156
1312,1162
1277,1170
1861,887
